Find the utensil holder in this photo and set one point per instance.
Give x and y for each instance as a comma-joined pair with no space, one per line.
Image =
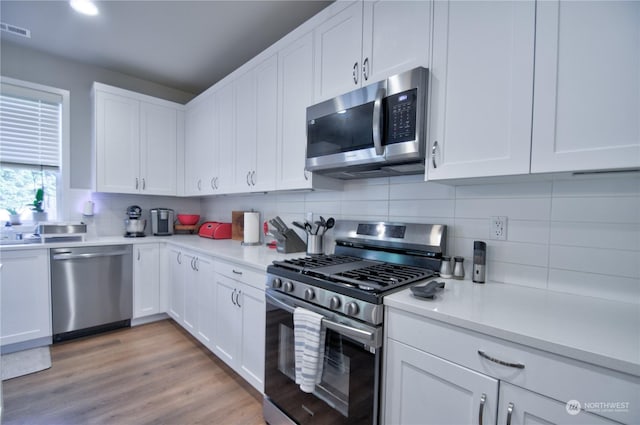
315,244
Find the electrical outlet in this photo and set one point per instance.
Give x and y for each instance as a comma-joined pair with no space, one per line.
498,228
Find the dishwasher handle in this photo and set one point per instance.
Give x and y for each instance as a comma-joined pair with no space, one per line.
70,256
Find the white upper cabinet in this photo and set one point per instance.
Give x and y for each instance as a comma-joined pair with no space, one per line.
481,89
200,157
587,86
395,37
368,41
225,141
136,139
256,126
295,69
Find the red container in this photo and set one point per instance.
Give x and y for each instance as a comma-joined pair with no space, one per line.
188,219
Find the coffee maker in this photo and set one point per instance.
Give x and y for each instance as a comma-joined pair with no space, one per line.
134,225
162,221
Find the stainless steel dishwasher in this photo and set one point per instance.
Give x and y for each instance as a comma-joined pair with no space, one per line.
91,290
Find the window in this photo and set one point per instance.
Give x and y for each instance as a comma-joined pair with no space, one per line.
30,148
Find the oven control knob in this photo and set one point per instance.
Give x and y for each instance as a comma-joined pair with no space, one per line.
334,303
277,283
309,294
352,309
288,286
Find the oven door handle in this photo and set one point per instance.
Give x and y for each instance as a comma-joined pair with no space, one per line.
363,336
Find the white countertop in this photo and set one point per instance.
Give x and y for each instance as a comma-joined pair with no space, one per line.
253,256
597,331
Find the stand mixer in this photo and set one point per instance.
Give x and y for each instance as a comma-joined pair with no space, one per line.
134,225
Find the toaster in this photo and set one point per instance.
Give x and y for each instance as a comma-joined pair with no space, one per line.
215,230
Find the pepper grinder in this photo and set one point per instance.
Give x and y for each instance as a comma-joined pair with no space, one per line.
458,268
479,261
445,267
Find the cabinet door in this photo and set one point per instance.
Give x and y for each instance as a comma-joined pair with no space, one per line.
246,115
158,149
295,82
587,86
200,161
227,323
252,304
206,299
146,280
424,389
519,406
264,169
396,38
338,50
225,110
117,126
176,294
26,298
481,89
190,316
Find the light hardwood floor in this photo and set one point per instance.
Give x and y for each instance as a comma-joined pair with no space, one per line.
151,374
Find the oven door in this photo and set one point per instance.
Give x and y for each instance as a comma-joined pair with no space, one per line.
348,391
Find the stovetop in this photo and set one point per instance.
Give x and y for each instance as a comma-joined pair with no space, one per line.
360,278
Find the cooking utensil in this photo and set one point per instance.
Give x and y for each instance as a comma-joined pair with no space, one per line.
329,224
308,227
299,225
277,225
281,223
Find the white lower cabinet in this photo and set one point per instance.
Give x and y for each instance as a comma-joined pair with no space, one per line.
25,315
519,406
437,373
146,280
422,388
240,320
176,284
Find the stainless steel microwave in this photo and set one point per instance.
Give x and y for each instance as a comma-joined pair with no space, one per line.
377,130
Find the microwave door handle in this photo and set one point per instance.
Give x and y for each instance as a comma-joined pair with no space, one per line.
377,122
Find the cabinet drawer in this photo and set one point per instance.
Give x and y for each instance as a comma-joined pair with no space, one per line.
553,375
242,273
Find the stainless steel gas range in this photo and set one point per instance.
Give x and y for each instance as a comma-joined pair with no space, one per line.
371,260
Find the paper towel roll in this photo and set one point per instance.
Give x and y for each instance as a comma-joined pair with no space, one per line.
251,227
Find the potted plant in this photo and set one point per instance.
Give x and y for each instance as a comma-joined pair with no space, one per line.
14,216
37,207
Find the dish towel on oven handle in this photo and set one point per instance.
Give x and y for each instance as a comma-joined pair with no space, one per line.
309,336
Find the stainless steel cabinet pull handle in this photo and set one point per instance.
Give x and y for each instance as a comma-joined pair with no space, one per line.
509,413
179,258
217,187
500,362
248,175
196,265
238,298
193,263
433,154
306,175
232,300
355,73
199,184
136,183
365,69
253,178
144,184
236,272
483,400
213,182
138,254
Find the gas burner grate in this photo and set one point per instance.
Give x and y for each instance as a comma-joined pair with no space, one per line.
310,263
382,276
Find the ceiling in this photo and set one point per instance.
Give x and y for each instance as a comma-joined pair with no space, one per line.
187,45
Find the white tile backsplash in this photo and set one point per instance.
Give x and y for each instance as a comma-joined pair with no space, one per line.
578,235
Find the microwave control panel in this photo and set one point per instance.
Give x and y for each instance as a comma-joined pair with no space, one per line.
400,125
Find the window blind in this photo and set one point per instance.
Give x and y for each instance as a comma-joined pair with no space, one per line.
30,122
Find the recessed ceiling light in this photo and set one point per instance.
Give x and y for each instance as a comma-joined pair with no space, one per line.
86,7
